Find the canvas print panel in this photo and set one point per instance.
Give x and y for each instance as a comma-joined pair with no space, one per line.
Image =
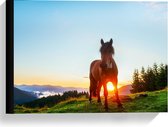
80,57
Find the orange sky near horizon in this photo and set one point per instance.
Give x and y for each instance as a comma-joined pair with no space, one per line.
68,82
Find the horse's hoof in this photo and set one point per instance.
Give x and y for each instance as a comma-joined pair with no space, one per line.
120,105
106,109
98,101
90,100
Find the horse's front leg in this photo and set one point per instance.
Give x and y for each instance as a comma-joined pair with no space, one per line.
98,92
115,82
90,97
105,95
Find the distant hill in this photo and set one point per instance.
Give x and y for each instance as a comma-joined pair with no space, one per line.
124,90
47,90
23,96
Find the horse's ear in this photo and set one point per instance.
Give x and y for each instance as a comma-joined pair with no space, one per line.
111,41
102,42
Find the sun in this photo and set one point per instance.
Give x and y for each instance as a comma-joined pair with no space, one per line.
110,86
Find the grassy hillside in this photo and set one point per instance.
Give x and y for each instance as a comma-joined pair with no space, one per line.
154,102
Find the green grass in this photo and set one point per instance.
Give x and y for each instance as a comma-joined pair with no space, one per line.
155,102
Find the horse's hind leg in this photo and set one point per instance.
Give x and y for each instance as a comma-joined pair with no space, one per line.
98,92
115,82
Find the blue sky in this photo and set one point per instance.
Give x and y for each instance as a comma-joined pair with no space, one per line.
55,42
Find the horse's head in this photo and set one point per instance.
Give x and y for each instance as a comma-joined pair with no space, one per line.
106,51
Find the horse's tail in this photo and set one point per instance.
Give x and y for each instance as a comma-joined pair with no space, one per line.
93,85
93,82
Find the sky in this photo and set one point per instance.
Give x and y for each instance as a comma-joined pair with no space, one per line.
55,42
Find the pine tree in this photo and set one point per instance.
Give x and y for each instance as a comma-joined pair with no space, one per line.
143,79
156,79
136,82
152,79
162,77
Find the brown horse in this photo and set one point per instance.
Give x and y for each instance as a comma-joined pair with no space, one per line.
103,71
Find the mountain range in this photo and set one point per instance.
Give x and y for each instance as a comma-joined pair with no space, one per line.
27,93
44,88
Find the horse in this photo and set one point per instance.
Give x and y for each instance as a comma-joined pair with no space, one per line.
103,71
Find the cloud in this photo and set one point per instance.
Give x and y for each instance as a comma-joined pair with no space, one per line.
46,93
156,11
156,6
85,77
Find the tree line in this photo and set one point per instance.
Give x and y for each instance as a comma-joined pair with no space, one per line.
150,79
52,100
